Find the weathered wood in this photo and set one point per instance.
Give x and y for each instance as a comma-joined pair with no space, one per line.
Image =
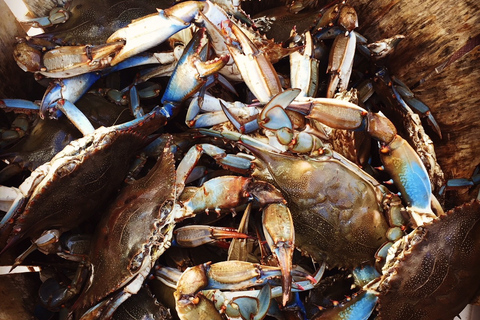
440,57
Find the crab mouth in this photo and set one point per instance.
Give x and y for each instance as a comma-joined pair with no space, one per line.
400,250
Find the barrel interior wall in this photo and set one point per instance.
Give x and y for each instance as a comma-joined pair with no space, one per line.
439,58
14,82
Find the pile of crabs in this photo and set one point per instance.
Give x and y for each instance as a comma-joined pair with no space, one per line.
190,161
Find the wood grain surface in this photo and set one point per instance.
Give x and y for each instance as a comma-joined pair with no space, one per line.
439,58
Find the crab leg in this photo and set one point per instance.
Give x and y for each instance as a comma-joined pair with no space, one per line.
340,62
196,235
193,155
18,105
75,116
405,96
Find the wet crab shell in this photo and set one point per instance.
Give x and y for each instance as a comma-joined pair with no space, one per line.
436,273
77,169
136,229
336,208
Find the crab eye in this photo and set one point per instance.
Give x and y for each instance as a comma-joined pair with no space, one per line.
137,261
106,140
67,168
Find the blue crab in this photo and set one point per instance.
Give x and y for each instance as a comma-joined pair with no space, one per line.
136,228
120,31
430,273
48,199
340,213
154,204
48,137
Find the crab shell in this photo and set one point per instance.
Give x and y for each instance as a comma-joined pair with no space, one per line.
336,207
436,274
136,229
90,167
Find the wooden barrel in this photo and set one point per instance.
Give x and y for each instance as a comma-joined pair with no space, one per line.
439,59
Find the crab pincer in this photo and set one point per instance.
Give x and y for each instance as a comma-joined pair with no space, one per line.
149,31
191,73
255,67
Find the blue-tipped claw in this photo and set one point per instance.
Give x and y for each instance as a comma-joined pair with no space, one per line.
191,73
255,308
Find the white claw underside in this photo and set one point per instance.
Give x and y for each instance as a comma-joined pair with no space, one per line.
145,33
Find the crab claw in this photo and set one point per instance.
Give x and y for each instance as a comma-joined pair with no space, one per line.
304,69
69,61
191,72
229,275
340,62
71,89
280,236
150,31
384,47
256,69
